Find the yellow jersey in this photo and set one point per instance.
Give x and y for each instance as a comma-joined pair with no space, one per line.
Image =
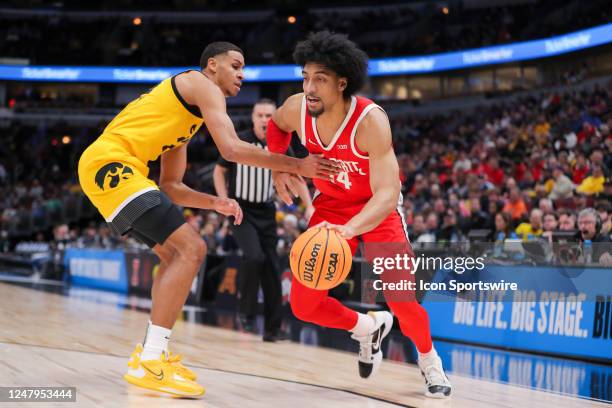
114,169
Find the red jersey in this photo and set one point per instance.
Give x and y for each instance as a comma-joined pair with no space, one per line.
353,182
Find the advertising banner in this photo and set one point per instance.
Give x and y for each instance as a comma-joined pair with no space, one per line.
556,310
499,54
96,268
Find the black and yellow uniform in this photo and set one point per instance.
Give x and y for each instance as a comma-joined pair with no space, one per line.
113,170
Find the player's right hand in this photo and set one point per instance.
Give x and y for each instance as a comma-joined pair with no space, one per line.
286,185
229,207
316,166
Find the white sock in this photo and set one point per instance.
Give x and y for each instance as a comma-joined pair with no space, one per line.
155,342
429,354
365,324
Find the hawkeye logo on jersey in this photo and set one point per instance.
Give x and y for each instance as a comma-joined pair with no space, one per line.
111,174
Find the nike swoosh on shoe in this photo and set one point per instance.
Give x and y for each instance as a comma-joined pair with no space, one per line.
159,376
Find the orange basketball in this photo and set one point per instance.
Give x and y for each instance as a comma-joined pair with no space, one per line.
320,258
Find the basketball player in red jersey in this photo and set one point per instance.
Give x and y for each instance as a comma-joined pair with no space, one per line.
361,201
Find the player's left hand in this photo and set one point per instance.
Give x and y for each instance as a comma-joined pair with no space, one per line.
346,231
286,185
230,207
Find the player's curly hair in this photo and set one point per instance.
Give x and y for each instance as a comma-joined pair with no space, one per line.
337,53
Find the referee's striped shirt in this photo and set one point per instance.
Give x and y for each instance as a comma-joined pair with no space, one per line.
247,183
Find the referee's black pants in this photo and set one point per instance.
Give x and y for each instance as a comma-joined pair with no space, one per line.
256,236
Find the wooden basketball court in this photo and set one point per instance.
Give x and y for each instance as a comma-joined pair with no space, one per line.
52,340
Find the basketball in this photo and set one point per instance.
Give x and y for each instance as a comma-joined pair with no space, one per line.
320,258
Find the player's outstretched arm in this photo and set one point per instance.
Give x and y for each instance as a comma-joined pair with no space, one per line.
211,101
375,133
173,165
285,120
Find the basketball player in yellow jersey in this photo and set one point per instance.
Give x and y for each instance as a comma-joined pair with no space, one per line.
113,174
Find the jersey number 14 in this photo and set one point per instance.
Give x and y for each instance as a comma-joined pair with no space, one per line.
342,178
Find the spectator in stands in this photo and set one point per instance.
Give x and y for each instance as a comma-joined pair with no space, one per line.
585,133
210,237
431,224
515,205
594,183
90,238
36,190
563,187
546,205
227,239
478,219
567,220
604,209
462,163
597,159
288,233
493,172
527,231
550,225
589,225
61,236
541,129
107,240
449,232
439,206
418,227
581,169
503,227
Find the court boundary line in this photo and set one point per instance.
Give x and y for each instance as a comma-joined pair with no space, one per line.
224,371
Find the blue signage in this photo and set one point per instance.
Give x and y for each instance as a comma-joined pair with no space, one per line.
96,268
555,310
500,54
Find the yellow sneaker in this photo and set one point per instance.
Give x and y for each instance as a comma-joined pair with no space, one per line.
161,375
175,359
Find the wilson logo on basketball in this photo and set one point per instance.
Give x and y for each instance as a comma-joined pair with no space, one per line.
310,264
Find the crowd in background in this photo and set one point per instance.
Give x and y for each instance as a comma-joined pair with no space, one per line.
523,169
464,171
381,31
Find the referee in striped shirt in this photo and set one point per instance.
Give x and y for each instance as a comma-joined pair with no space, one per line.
253,189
